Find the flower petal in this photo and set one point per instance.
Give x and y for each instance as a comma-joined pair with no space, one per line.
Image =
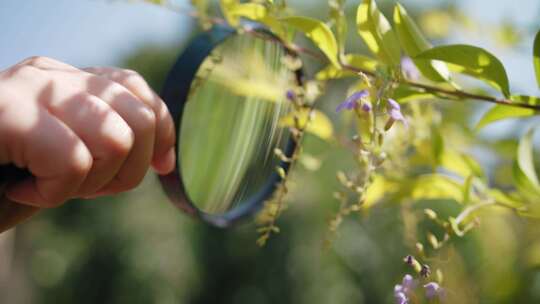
401,298
433,290
392,104
408,282
409,69
366,106
352,101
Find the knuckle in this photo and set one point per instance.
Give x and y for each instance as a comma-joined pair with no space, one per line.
24,70
131,73
80,165
120,145
38,60
145,120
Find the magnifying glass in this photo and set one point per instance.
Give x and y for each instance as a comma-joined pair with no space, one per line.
227,94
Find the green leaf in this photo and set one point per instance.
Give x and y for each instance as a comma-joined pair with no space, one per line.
436,186
460,164
437,145
339,20
377,190
377,33
500,112
505,199
531,100
313,121
413,42
319,33
523,170
473,61
525,157
226,7
355,60
404,93
253,11
233,10
536,57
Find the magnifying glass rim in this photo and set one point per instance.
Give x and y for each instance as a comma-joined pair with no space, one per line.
175,94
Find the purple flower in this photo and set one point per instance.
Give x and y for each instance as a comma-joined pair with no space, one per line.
433,290
394,111
352,101
408,283
366,106
409,69
401,298
401,291
290,95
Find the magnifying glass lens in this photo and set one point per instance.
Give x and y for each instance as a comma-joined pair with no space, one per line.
231,123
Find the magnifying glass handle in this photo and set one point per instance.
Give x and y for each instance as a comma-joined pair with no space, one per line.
12,213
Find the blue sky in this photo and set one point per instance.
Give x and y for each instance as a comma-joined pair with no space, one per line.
84,32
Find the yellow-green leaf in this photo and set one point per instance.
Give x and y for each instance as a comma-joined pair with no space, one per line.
253,11
473,61
233,10
505,199
531,100
377,33
404,93
312,121
536,57
413,42
378,188
523,170
500,112
318,32
436,186
226,7
354,60
461,164
339,20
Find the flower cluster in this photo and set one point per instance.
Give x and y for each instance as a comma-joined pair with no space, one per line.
353,101
359,99
404,291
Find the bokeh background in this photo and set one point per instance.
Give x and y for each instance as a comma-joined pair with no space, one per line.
137,248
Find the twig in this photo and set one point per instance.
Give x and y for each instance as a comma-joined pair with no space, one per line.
427,88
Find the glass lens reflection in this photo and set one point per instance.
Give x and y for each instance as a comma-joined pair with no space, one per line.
231,123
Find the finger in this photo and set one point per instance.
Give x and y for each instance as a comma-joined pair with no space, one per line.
107,136
57,158
163,159
140,118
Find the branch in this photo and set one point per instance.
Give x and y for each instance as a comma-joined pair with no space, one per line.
315,55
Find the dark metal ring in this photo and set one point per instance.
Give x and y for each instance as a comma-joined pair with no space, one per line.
175,94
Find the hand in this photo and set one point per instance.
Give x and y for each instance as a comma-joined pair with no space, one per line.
81,133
